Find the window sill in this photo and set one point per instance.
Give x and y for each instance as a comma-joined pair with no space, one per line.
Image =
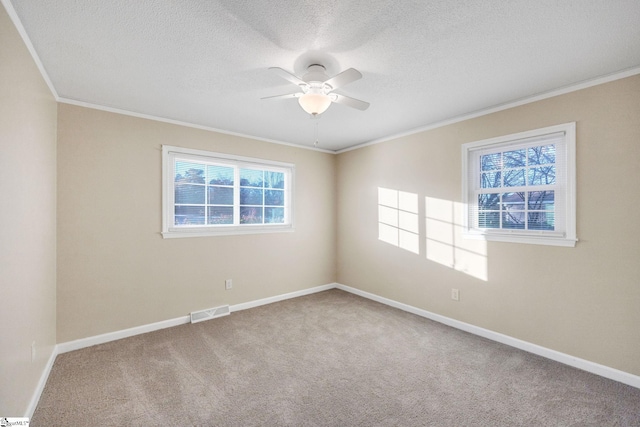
230,231
531,239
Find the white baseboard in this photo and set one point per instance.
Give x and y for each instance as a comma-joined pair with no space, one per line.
269,300
125,333
585,365
35,398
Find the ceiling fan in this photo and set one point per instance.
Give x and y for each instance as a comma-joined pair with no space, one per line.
317,89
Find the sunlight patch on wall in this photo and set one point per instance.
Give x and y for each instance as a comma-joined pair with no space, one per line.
445,244
398,222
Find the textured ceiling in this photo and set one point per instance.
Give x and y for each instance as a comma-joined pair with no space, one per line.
206,62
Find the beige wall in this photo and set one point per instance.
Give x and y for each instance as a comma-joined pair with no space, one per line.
27,222
115,271
584,301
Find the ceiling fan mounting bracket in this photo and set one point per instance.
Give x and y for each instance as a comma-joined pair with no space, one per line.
316,73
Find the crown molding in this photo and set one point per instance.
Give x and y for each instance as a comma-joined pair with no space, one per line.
500,107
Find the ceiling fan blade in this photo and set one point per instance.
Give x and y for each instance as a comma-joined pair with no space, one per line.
345,77
288,76
350,102
286,95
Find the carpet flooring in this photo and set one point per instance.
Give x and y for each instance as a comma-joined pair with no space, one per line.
327,359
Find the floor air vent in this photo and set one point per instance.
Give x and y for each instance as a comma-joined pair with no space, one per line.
210,313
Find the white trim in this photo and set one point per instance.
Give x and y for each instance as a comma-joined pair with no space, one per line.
35,398
232,231
576,362
607,78
185,124
13,15
137,330
224,157
117,335
170,154
282,297
585,365
546,240
501,107
565,193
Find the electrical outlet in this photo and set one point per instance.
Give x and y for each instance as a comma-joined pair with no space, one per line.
455,294
228,284
33,351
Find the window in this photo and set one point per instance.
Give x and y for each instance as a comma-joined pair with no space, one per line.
207,193
521,187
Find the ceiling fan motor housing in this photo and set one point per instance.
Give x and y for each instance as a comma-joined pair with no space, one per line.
316,73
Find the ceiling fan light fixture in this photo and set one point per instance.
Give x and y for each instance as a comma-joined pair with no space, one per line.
314,103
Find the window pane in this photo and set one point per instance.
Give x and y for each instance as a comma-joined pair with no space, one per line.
513,220
545,175
490,162
489,201
210,193
220,215
221,195
274,215
189,215
220,175
251,196
189,172
514,159
489,220
514,178
251,178
189,194
542,155
541,200
513,201
490,180
273,179
274,197
521,187
541,221
250,215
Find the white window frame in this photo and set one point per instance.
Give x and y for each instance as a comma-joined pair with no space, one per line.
565,187
169,230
